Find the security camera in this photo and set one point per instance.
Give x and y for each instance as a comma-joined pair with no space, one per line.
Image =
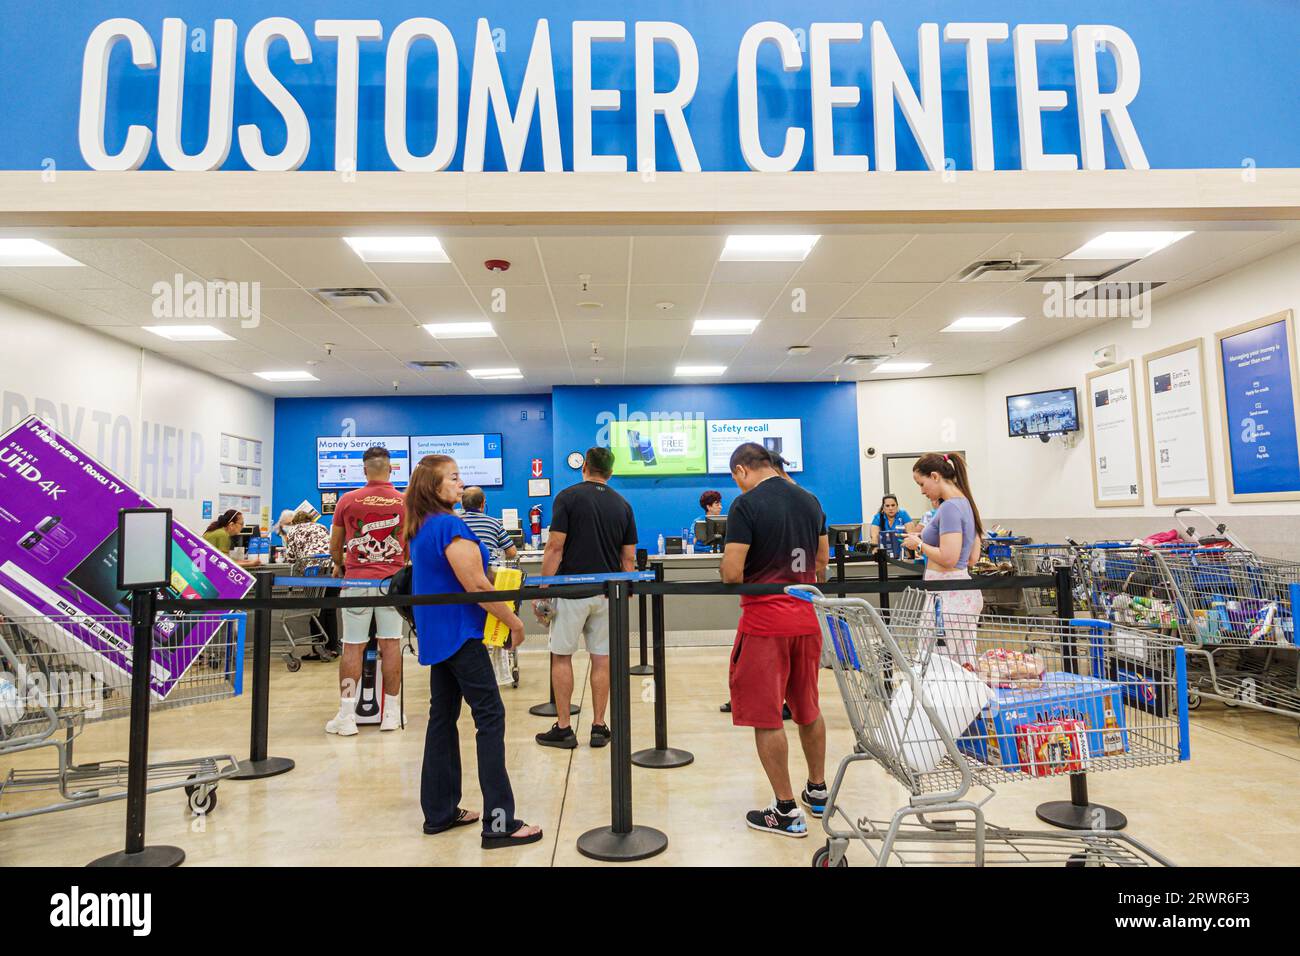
870,451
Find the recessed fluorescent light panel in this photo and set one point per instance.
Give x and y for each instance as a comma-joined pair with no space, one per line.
1126,245
30,252
291,375
984,323
461,330
724,326
768,248
495,374
397,248
699,371
901,366
190,333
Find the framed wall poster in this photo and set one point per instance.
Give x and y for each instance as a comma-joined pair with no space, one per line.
1178,425
1113,434
1258,401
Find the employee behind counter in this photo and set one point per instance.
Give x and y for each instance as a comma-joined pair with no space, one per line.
222,532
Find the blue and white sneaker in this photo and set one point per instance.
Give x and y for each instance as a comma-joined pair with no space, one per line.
772,820
815,799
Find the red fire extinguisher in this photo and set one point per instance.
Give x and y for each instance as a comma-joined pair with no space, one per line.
535,520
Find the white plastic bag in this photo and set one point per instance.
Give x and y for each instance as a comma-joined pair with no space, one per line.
956,695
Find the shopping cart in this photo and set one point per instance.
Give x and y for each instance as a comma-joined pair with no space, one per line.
1035,559
1235,613
50,691
302,630
1046,697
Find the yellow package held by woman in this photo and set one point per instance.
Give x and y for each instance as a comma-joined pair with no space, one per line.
496,634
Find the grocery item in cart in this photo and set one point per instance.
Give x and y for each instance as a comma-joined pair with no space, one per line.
956,696
1050,747
1001,667
993,736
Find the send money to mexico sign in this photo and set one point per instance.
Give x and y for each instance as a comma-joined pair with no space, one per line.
285,74
58,559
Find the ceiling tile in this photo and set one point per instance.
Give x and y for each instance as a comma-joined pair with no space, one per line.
317,263
686,300
674,260
732,301
469,254
612,299
885,299
515,302
604,258
232,259
936,257
853,259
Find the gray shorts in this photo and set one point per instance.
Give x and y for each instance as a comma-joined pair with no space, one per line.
356,620
587,618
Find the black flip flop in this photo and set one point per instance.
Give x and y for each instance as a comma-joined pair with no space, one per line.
460,821
500,842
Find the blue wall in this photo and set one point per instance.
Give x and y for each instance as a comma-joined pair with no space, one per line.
1218,79
665,505
298,422
570,420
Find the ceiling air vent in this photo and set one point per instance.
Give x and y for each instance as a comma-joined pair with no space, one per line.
435,365
1001,270
863,359
355,298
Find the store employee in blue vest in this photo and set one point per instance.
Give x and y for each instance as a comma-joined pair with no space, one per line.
893,520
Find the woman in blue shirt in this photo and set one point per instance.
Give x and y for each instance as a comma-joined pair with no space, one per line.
892,520
949,543
447,558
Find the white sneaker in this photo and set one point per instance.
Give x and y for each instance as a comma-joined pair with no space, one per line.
392,719
345,725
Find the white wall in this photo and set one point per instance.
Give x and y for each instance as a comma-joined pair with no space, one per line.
1033,480
150,420
918,415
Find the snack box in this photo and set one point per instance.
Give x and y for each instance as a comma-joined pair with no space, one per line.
1050,747
993,737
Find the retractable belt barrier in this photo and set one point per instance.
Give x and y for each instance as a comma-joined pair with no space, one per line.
622,840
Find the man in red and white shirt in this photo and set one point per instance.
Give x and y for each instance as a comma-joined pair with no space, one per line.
366,542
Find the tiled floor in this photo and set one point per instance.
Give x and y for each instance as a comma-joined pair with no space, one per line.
355,800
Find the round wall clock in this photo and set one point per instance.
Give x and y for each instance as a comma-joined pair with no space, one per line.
575,460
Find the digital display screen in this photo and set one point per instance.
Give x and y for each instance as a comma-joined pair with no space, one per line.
781,436
339,460
479,457
1043,413
658,448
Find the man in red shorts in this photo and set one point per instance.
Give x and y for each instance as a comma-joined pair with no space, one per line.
776,533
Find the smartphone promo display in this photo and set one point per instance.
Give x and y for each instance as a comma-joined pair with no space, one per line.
58,558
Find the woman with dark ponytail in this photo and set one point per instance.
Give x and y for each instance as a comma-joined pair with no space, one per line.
949,543
222,532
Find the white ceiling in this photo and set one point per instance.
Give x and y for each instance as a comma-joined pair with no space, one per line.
856,289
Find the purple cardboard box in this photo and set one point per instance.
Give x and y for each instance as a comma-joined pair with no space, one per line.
58,560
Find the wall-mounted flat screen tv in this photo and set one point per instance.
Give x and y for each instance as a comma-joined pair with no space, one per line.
1033,414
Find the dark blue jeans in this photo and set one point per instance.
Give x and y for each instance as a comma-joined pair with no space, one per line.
466,675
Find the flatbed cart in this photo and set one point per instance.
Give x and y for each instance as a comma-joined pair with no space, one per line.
1047,697
49,693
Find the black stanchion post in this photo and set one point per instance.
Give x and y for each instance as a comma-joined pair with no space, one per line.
259,765
641,668
882,574
1077,813
621,841
661,755
137,774
839,566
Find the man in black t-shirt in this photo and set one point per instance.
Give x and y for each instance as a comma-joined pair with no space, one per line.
592,531
776,534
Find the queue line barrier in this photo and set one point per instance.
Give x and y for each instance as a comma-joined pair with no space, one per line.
622,840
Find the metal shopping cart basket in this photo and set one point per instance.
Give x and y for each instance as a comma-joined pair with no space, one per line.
1235,613
302,631
51,687
1045,697
1034,559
